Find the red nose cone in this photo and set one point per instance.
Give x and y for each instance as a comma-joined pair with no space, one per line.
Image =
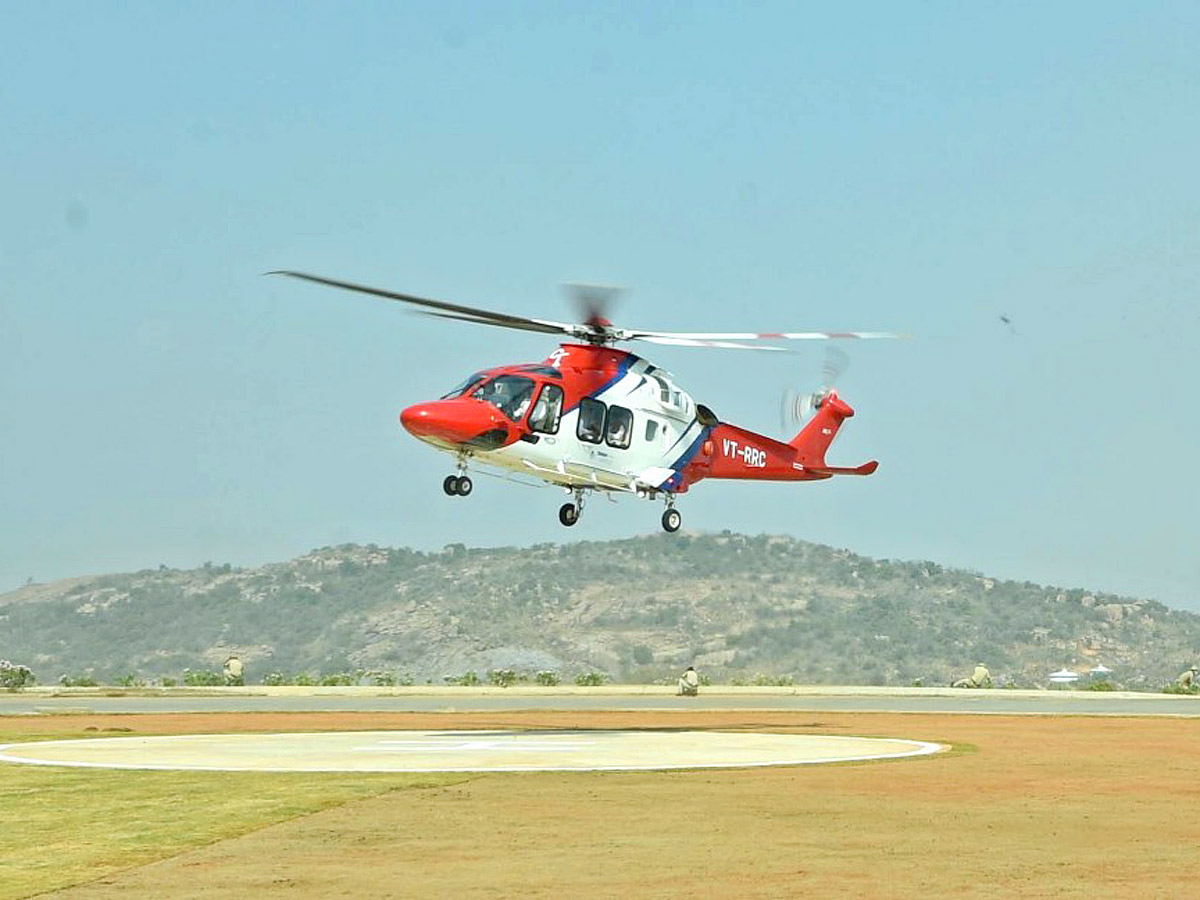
457,421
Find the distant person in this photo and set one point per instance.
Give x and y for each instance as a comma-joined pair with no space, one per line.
1187,678
980,678
689,683
234,673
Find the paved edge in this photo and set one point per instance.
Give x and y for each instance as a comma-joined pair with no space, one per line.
608,690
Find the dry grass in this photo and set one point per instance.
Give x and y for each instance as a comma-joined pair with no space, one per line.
1032,807
65,826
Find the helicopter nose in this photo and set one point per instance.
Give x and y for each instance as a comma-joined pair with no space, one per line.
457,421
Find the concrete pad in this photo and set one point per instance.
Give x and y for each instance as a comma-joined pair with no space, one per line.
460,751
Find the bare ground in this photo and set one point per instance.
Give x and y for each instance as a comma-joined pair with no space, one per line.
1025,807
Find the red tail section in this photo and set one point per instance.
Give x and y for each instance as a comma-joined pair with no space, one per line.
814,439
732,452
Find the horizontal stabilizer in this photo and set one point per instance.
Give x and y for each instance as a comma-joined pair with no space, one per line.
865,469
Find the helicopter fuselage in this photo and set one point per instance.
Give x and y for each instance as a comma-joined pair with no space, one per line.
595,417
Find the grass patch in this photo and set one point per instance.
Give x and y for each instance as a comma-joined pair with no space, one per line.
66,826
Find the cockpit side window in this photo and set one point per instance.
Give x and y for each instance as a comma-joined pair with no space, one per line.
508,393
464,387
546,410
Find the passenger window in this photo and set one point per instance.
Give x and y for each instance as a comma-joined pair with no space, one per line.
547,409
664,392
591,420
651,429
620,425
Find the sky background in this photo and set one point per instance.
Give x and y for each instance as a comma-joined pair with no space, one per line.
921,167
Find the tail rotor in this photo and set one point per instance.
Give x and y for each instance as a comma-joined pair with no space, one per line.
798,407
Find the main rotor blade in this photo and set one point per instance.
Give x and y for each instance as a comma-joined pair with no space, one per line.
446,310
680,341
757,336
531,325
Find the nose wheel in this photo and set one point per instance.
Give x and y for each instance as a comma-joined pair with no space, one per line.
457,485
671,520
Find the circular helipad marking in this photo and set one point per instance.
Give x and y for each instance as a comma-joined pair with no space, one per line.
460,751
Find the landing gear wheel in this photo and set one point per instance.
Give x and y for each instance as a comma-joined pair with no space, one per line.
568,514
450,485
464,485
671,520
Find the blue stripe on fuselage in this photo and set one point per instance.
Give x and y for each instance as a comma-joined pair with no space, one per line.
675,481
622,370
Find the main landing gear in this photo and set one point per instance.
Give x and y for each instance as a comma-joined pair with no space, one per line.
671,518
569,513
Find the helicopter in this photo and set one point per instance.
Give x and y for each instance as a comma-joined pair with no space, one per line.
595,418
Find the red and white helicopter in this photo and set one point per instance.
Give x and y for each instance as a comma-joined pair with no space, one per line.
592,417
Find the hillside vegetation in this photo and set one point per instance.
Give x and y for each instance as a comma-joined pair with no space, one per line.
739,608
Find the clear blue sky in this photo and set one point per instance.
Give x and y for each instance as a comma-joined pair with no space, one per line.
926,168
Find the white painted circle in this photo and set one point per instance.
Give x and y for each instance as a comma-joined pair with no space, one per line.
461,751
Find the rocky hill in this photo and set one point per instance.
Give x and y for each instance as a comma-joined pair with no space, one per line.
737,607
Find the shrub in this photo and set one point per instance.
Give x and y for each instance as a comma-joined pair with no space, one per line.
274,679
339,679
131,681
14,677
1100,686
547,678
77,681
761,680
466,679
202,678
502,677
590,679
1175,688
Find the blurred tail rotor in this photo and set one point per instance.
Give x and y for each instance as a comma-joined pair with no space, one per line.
798,407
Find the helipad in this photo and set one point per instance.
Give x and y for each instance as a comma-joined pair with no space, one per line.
461,751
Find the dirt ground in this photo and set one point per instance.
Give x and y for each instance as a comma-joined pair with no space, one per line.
1023,807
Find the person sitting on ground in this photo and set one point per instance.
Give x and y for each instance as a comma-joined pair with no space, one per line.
689,683
1187,678
980,678
233,671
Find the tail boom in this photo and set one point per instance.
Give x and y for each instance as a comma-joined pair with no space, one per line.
735,453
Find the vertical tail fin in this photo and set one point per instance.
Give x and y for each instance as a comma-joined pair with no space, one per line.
814,439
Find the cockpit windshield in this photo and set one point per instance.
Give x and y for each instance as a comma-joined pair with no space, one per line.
464,387
508,393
